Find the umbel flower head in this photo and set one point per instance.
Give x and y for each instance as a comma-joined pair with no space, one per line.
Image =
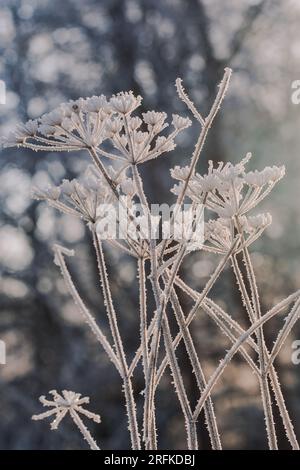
220,234
230,192
104,126
125,103
80,197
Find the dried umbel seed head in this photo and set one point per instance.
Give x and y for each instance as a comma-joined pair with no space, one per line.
22,132
267,176
68,402
113,126
218,234
73,107
140,137
54,118
155,120
96,104
98,124
48,131
134,123
256,223
163,144
229,190
68,124
180,173
79,198
30,128
67,187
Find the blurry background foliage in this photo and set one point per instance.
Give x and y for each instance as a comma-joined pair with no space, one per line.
52,51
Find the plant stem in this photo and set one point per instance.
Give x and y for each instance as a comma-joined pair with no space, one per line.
179,387
143,332
206,124
255,314
197,369
150,439
129,397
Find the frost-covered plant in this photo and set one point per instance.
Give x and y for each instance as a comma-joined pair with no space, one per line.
68,402
109,130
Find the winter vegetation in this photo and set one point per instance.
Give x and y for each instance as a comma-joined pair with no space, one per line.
118,141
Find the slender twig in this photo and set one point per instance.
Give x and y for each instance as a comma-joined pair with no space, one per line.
273,376
143,331
200,143
254,311
150,439
184,97
60,261
179,387
190,317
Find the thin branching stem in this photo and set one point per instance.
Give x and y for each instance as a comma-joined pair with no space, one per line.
197,369
143,332
162,300
228,357
60,261
150,439
192,313
284,332
128,391
289,428
206,125
255,314
179,387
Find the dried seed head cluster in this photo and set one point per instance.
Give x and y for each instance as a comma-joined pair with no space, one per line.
78,197
229,190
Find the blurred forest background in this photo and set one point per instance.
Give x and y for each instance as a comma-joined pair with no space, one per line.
52,51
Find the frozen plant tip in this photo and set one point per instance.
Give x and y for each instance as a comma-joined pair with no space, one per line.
72,403
110,132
